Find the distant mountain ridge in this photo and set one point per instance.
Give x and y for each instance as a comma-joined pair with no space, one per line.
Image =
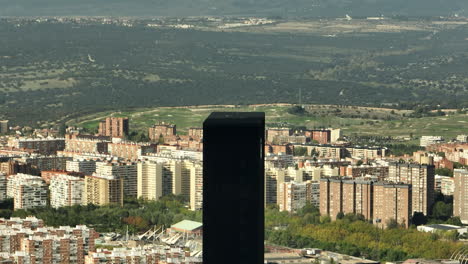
289,8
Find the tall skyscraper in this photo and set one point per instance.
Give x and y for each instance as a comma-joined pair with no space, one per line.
460,196
233,193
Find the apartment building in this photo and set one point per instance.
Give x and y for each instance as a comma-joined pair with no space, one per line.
326,151
3,187
27,191
292,196
117,127
47,176
196,132
4,128
379,171
422,180
86,143
196,187
460,195
322,136
430,140
147,255
376,201
365,152
39,163
66,190
130,150
272,133
161,129
103,190
20,243
126,171
86,166
392,202
444,185
149,179
46,146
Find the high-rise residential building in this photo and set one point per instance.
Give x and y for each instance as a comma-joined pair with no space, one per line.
23,241
313,193
460,195
430,140
86,166
27,191
126,171
274,177
66,190
292,196
46,146
4,127
103,190
421,178
172,177
39,163
161,129
365,152
47,176
392,202
379,171
320,136
445,185
233,185
150,185
117,127
376,201
196,186
3,186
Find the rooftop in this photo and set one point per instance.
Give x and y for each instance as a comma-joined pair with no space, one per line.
187,225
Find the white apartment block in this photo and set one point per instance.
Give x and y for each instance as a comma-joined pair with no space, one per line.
149,178
86,166
462,138
66,190
125,171
27,191
3,187
196,187
430,140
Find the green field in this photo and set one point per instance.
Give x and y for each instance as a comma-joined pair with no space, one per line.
319,116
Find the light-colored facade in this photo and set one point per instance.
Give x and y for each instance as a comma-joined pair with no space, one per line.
22,242
462,138
430,140
46,146
103,190
126,171
27,191
66,190
196,187
445,185
150,180
147,255
86,166
3,187
422,180
460,196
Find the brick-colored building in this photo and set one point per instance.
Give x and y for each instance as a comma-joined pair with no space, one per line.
117,127
161,129
272,133
321,136
287,149
196,132
130,151
392,201
376,201
460,196
381,172
86,143
47,176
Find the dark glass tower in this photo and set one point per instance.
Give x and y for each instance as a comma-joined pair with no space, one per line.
233,188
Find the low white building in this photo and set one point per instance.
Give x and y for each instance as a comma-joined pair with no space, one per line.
442,228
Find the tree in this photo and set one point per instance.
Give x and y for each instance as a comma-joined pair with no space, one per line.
340,215
444,172
419,219
392,223
442,211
